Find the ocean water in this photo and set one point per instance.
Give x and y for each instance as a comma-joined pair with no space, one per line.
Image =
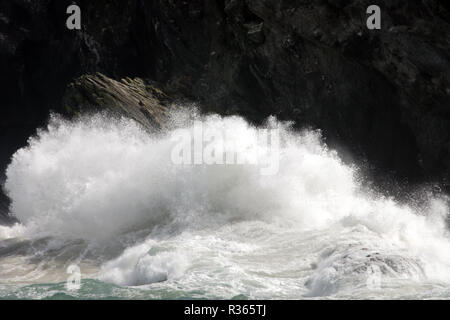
105,195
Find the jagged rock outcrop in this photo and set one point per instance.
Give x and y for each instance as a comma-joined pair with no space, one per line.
382,95
133,98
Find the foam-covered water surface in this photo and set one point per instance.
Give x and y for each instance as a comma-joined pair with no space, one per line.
104,194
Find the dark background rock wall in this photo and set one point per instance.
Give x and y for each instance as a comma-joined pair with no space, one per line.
381,95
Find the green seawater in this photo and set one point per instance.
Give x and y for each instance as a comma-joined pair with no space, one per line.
92,289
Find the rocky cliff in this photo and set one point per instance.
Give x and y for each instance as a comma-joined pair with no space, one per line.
381,95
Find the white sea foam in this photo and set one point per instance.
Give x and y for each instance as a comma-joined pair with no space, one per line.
307,231
15,231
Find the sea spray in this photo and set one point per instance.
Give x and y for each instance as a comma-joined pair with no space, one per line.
222,230
99,176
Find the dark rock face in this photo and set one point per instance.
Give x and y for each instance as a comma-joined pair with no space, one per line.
39,57
382,94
